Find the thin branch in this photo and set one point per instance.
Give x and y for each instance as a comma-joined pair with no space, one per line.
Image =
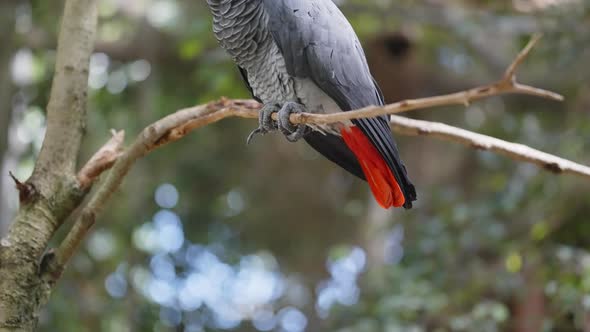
102,160
463,98
179,124
511,70
407,126
161,132
506,85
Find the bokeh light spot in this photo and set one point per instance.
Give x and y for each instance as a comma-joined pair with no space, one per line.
116,285
513,262
166,196
292,320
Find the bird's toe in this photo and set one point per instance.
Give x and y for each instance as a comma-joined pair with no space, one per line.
265,122
291,131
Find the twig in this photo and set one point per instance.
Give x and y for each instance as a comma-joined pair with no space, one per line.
102,160
506,85
179,124
407,126
26,191
511,70
463,98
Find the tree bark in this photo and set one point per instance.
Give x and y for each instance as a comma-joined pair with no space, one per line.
52,192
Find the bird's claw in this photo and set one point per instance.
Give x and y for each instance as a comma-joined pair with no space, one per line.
265,122
254,133
292,132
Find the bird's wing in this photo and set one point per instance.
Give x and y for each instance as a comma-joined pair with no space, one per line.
317,42
334,148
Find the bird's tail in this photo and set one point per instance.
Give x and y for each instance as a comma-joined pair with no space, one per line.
378,174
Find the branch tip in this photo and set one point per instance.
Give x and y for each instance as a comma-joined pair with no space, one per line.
16,181
510,73
26,191
515,151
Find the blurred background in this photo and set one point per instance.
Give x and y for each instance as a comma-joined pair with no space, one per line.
209,234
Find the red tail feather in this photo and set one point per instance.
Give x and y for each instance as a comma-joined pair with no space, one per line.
380,178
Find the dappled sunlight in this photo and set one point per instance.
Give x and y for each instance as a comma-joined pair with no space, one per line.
342,288
193,283
116,77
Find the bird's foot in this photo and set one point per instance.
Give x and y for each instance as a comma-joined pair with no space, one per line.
292,132
265,122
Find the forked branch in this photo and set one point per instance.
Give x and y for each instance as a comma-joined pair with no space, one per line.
102,160
177,125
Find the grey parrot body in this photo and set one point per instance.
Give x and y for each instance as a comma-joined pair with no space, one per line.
305,51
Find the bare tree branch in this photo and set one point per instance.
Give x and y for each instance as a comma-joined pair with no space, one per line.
153,136
177,125
102,160
506,85
181,123
520,152
511,70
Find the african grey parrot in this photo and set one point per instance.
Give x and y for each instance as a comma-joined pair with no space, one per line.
303,56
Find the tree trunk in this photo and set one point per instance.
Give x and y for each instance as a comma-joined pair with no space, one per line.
27,269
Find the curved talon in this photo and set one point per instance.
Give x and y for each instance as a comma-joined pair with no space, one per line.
254,133
265,122
293,132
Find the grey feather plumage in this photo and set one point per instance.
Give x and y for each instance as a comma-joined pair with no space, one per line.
287,49
317,41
